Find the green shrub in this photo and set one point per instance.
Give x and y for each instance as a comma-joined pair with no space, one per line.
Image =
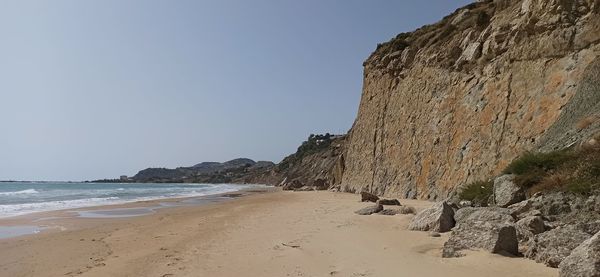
313,144
573,170
477,192
531,161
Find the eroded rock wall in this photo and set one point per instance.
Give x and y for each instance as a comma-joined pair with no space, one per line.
456,101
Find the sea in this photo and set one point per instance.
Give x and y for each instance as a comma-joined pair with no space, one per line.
19,198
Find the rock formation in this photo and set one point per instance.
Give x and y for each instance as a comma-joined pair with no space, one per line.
456,101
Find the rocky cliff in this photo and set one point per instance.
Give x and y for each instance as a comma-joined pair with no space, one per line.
456,101
318,160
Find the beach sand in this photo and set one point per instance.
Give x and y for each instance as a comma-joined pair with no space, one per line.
264,234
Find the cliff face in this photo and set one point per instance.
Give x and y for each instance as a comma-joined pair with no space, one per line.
456,101
315,160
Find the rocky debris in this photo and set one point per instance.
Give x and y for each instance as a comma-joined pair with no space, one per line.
320,184
584,260
370,210
438,218
489,214
389,202
553,246
506,192
368,197
500,238
295,184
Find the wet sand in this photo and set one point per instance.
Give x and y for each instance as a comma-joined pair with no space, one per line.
262,234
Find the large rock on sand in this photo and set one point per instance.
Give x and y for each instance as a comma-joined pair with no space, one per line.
368,197
553,246
584,261
370,210
389,202
490,214
506,192
493,237
438,218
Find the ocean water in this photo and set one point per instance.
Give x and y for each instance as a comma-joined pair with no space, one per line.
20,198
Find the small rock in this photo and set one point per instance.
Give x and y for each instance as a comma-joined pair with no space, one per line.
435,234
438,218
368,197
584,261
465,203
389,202
305,188
370,210
506,192
408,210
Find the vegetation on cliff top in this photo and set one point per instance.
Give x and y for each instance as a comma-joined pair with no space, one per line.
313,144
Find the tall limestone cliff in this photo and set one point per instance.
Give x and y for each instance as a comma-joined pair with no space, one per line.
456,101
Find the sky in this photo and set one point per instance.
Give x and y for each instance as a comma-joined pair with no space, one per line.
97,89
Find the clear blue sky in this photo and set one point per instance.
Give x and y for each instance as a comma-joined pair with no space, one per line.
94,89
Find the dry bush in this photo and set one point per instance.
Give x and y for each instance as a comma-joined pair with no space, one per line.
549,183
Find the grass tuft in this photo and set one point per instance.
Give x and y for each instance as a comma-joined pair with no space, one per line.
477,192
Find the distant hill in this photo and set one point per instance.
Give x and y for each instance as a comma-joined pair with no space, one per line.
205,172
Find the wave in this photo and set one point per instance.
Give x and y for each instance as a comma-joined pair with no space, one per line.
27,208
27,191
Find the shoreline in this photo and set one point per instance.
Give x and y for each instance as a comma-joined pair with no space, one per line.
302,233
45,221
131,201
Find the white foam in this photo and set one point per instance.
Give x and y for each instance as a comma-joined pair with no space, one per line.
27,191
27,208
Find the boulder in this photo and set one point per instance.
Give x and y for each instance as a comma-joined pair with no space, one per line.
368,197
520,208
370,210
438,218
389,202
533,224
527,228
493,237
295,184
491,214
506,192
553,246
584,261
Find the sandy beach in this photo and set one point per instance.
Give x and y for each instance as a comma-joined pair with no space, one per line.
263,234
